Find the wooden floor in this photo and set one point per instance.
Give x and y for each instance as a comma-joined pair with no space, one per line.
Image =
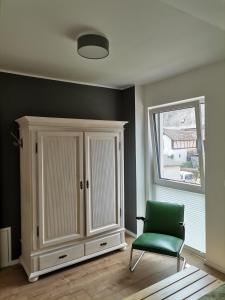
106,277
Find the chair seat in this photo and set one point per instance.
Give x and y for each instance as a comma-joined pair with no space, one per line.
158,243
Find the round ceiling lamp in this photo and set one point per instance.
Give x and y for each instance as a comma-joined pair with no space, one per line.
93,46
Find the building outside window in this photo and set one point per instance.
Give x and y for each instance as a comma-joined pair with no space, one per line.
177,141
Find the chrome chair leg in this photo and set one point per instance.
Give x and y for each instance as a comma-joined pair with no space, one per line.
131,268
184,263
131,254
179,257
178,263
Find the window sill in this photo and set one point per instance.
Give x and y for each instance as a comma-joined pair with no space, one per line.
181,186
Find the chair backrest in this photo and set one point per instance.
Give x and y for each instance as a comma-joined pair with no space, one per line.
164,218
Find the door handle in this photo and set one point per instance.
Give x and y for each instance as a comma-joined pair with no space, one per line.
63,256
81,185
103,244
87,184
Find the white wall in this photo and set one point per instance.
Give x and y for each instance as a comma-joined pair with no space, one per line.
208,81
140,155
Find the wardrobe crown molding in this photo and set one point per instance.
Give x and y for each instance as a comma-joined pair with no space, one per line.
68,122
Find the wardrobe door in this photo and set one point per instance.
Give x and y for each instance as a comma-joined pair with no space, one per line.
102,166
60,180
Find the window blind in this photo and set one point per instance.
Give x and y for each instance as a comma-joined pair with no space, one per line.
194,217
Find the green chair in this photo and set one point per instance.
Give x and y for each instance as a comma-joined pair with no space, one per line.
163,231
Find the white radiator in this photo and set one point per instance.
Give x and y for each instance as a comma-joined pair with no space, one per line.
5,247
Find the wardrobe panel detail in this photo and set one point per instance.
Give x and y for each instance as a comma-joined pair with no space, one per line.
59,174
102,174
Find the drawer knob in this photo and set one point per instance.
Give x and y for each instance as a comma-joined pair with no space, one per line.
103,244
63,256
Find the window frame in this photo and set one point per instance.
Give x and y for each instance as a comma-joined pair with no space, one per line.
191,103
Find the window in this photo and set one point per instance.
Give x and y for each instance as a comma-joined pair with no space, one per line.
177,140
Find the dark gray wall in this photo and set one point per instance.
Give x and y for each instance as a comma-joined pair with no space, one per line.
128,113
23,95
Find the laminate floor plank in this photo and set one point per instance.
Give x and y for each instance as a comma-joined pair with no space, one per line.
106,277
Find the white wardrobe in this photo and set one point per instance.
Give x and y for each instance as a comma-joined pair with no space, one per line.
72,204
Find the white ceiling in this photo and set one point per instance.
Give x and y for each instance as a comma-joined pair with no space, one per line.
149,39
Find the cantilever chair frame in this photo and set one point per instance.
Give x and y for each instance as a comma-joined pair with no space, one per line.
179,257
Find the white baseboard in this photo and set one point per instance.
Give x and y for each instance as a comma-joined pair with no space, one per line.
214,266
5,248
130,233
14,262
195,252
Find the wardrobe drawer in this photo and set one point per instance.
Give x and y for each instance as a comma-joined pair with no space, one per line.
60,257
103,243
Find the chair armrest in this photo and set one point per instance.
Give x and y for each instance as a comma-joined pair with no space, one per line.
183,227
141,218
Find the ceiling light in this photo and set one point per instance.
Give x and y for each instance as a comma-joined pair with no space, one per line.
93,46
